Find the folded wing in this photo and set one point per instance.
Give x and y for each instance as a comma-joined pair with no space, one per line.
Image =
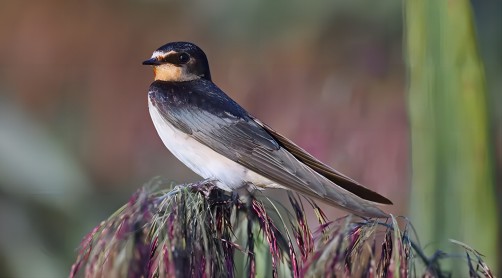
237,136
323,169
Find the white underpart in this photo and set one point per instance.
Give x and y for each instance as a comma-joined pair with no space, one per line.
203,160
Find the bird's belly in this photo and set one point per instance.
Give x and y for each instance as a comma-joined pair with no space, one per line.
204,161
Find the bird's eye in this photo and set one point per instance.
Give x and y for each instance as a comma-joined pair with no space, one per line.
183,58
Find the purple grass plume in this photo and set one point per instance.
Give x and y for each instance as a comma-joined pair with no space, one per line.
199,230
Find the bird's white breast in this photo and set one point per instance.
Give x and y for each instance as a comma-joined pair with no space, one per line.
204,161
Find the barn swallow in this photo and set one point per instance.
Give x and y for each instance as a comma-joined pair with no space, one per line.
217,139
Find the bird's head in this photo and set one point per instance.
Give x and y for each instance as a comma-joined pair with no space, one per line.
178,62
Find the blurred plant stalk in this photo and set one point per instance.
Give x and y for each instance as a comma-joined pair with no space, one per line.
453,193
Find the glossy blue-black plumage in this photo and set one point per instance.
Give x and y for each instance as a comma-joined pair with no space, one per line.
198,66
200,106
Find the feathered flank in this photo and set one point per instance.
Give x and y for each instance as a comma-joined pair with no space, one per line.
199,230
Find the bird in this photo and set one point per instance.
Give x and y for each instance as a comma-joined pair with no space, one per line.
219,140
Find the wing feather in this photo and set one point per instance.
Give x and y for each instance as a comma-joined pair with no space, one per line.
325,170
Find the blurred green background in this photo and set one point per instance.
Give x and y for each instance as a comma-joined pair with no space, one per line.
76,138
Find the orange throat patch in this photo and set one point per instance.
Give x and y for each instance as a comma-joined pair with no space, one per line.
168,73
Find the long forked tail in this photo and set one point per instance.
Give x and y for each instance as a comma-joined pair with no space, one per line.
337,196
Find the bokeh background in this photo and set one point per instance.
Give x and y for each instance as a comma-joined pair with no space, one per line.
76,138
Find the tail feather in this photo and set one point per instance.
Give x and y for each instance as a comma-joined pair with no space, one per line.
337,196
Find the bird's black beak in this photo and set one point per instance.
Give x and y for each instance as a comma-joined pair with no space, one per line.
151,62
